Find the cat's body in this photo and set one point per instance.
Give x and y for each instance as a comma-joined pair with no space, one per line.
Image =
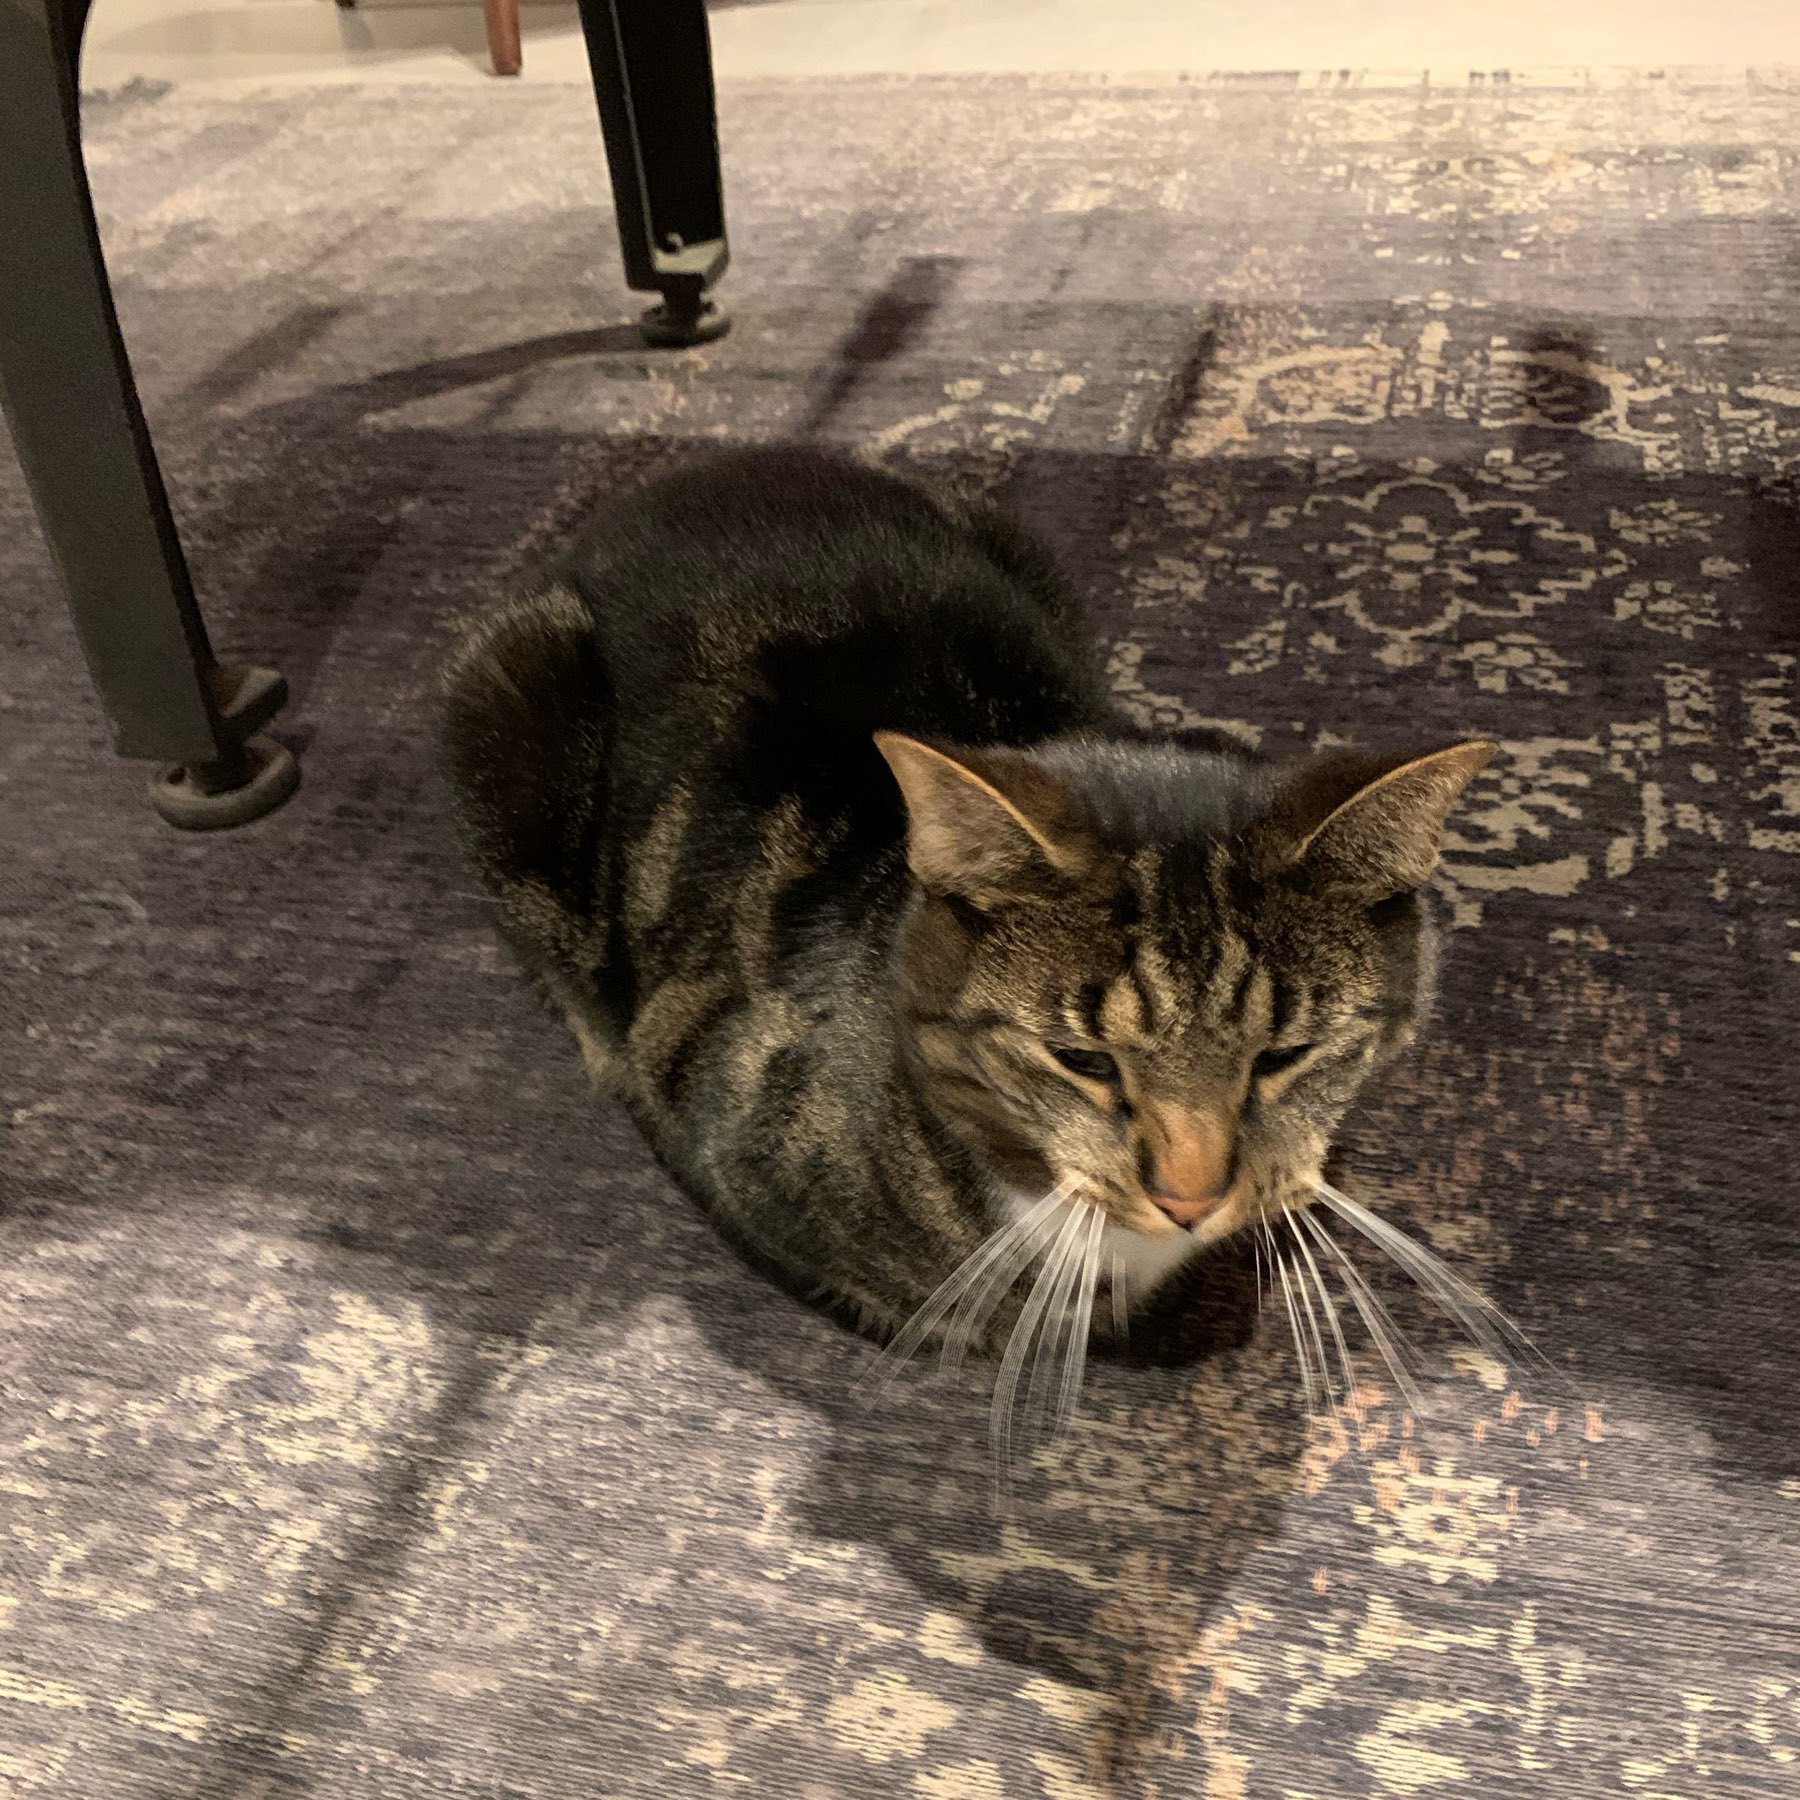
863,1050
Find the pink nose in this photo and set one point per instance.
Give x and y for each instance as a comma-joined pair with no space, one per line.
1191,1163
1186,1211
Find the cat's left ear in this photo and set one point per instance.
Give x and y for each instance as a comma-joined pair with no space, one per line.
1369,825
979,822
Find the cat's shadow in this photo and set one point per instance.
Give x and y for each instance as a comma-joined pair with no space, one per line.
1096,1561
1100,1572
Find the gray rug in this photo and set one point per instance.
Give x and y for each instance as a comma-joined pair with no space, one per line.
377,1423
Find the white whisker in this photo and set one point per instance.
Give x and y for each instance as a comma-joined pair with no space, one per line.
1018,1346
1052,1345
1384,1331
1486,1325
1023,1233
1121,1297
1075,1357
1331,1313
970,1320
1304,1287
1293,1313
1271,1253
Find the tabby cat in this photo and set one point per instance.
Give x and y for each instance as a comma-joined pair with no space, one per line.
918,962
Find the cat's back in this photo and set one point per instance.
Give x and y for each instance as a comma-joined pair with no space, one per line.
762,541
832,591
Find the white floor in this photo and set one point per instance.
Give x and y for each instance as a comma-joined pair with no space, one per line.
238,42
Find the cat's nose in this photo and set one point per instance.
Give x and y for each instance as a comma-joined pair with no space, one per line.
1193,1163
1183,1211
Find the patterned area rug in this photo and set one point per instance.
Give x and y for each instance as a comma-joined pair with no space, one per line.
378,1423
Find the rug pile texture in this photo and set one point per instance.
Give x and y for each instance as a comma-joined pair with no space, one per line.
378,1423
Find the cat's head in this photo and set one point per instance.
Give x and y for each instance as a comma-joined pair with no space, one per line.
1160,974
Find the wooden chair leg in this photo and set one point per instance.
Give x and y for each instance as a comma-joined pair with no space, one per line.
503,35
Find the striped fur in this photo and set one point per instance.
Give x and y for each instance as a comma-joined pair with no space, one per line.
834,990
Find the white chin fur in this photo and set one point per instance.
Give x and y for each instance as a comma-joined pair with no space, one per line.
1144,1260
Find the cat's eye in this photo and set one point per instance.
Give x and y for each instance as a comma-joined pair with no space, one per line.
1091,1065
1273,1062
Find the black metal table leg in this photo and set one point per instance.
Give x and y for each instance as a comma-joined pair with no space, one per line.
652,67
73,410
76,423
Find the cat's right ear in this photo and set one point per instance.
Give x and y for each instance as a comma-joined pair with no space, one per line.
979,821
